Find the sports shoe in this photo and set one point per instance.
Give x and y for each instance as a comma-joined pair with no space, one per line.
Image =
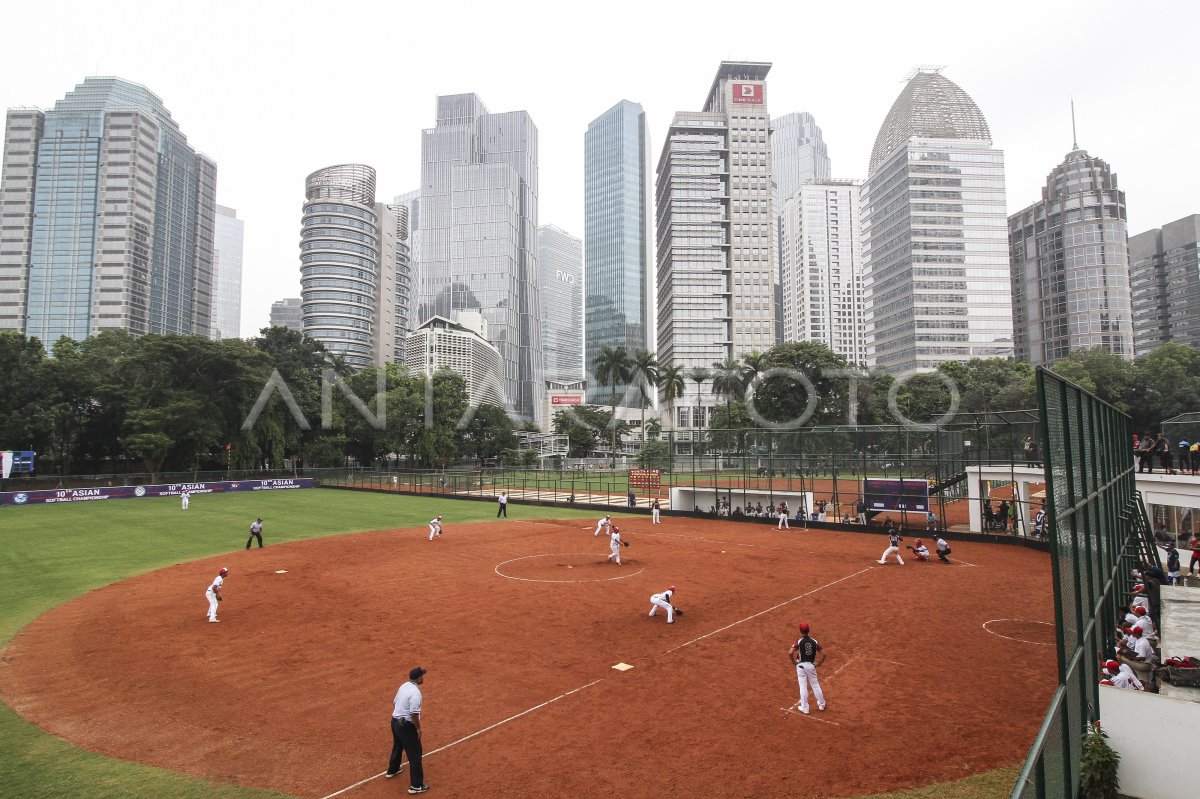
391,774
820,707
213,621
803,710
881,562
419,789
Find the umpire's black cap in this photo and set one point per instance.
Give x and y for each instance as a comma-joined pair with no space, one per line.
416,673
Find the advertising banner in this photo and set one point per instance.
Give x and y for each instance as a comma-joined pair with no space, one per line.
907,495
748,93
60,495
566,399
645,478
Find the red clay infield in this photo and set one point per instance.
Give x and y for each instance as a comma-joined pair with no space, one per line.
292,690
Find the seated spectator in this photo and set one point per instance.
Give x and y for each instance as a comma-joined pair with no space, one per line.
737,512
1144,622
758,509
1121,676
1137,653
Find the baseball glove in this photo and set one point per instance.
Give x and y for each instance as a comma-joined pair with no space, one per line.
678,612
624,543
220,599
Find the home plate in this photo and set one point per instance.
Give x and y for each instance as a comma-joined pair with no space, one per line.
281,571
622,667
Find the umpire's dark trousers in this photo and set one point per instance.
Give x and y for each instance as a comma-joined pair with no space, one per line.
406,740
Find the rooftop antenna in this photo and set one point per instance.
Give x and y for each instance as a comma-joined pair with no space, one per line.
934,69
1074,135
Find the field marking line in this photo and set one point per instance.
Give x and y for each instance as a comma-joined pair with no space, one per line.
768,610
1018,640
844,665
553,554
469,737
794,709
894,663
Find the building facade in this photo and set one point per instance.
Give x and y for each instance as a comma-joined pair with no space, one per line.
820,256
108,216
227,274
1165,282
348,266
798,153
1070,265
935,235
560,261
618,301
478,243
288,313
714,240
439,343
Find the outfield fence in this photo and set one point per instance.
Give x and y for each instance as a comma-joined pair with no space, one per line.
1098,532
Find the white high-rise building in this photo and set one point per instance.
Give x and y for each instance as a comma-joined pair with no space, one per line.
935,233
820,252
716,260
560,259
460,347
478,242
227,274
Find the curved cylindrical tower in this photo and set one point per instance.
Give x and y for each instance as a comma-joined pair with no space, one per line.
339,260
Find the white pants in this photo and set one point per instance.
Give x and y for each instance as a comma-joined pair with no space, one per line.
783,522
806,675
599,527
185,501
434,531
655,604
654,516
862,518
212,604
892,551
616,553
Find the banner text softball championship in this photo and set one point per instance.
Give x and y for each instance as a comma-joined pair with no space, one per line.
136,492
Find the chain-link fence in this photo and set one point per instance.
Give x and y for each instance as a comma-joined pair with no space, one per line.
1098,532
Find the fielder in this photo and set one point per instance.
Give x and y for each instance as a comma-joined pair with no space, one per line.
894,540
184,498
213,594
663,601
435,528
655,512
803,656
615,543
604,524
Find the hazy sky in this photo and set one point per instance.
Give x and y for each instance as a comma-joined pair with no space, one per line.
274,91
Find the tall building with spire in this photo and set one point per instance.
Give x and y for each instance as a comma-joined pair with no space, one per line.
715,220
478,242
618,298
108,216
1070,265
935,234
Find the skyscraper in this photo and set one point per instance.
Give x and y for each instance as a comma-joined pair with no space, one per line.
478,244
227,274
715,250
935,239
617,301
560,261
108,217
798,153
348,265
1165,281
1070,267
287,313
820,255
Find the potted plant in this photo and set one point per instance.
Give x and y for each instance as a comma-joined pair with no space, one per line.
1098,766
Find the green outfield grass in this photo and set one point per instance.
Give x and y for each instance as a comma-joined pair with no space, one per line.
50,554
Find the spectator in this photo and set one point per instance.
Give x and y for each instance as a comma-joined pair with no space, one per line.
1162,448
1002,515
1039,523
862,511
632,500
1194,460
1137,653
1172,563
1030,449
1146,454
989,516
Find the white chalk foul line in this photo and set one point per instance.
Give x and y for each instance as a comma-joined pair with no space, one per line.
768,610
796,710
469,737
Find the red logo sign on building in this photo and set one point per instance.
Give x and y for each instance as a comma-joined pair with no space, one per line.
566,399
748,93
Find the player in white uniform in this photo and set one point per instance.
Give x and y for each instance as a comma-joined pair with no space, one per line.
213,594
804,656
1145,623
663,601
1138,654
604,524
1122,676
655,511
184,498
435,528
614,543
920,550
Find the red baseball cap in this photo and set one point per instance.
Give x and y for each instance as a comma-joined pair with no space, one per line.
803,627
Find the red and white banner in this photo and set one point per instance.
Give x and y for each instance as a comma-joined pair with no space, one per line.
748,93
566,399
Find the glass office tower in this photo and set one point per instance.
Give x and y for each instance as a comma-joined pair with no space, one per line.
109,218
560,259
617,299
935,233
227,279
478,243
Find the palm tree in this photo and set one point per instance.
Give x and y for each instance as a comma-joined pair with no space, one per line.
698,374
613,367
728,381
672,383
645,372
753,364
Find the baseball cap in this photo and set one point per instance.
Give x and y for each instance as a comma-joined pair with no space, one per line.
1138,610
416,673
803,627
1106,682
670,588
1136,632
224,570
1112,665
1139,587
